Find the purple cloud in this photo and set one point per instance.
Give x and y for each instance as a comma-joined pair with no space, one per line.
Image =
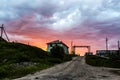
86,21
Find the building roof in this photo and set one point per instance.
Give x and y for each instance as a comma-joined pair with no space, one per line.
58,42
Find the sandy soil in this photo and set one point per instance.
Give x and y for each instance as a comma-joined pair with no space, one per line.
76,69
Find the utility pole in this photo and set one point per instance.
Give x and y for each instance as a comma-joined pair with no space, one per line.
73,50
2,28
3,31
88,49
71,46
118,47
106,43
107,47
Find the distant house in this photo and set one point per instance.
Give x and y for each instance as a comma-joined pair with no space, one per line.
88,53
106,52
50,45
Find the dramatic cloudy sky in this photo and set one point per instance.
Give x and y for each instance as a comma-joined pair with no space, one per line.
85,22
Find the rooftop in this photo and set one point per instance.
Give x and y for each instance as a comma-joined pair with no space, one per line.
57,42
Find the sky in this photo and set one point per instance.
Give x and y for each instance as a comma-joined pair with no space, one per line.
85,22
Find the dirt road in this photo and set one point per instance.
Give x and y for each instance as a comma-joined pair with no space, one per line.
76,69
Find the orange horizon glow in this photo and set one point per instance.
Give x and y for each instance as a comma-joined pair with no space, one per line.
42,44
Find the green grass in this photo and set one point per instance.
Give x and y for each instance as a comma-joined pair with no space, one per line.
102,62
8,71
18,52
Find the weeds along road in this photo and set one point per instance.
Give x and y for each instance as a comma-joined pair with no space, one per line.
75,69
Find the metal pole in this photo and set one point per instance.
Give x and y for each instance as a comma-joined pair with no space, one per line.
107,53
118,48
6,35
106,43
1,30
118,45
73,49
71,46
89,49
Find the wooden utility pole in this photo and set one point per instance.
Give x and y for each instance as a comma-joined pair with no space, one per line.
3,31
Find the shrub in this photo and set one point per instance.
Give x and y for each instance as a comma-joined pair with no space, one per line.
55,60
58,52
99,61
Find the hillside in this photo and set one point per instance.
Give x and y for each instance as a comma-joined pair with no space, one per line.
18,59
2,40
18,52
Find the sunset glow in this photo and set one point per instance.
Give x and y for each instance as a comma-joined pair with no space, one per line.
85,22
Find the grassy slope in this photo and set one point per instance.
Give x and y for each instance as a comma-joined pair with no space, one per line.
13,55
102,62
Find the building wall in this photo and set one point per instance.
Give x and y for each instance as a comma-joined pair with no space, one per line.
106,52
88,53
50,46
65,49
